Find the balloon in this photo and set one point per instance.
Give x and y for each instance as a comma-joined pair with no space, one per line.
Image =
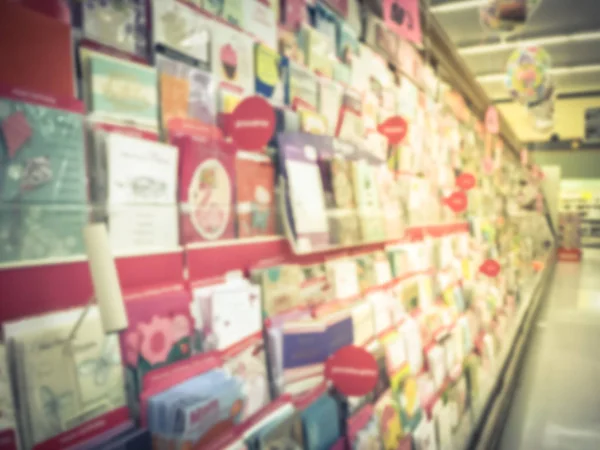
506,16
528,74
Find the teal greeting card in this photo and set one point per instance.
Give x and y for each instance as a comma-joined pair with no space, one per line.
121,91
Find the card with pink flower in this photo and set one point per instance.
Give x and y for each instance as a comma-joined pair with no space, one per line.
159,333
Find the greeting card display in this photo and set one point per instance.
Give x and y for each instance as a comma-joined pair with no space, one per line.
180,30
306,200
186,92
255,196
390,427
280,287
317,51
42,154
205,189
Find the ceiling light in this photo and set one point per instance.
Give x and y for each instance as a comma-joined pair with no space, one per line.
555,71
541,41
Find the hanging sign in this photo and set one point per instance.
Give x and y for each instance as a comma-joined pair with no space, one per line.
490,268
352,370
252,123
394,128
466,181
457,201
404,19
492,120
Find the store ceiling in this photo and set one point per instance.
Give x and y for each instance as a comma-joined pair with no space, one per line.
568,29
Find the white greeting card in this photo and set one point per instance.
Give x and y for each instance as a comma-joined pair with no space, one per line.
139,171
343,274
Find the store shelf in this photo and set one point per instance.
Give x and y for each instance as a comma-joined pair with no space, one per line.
489,411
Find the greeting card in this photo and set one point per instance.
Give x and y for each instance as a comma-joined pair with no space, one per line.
260,20
159,334
343,278
138,171
363,324
313,123
233,59
138,228
119,90
287,44
382,307
390,202
179,29
42,154
288,434
424,435
62,384
280,288
390,427
186,92
379,37
330,102
412,340
347,44
298,366
363,430
339,196
304,190
301,88
207,171
32,232
255,196
121,26
317,50
321,424
268,70
370,217
408,399
8,423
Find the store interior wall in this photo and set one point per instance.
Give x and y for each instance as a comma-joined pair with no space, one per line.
569,119
573,163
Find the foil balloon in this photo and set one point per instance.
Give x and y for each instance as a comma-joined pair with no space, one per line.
506,16
528,74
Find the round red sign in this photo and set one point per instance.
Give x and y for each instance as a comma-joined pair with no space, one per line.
252,123
490,268
465,181
352,370
457,202
394,128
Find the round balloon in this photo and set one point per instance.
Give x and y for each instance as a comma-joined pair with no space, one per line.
506,16
528,74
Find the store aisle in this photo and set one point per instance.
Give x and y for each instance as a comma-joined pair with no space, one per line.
557,401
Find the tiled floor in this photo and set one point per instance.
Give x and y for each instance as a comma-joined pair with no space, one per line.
557,401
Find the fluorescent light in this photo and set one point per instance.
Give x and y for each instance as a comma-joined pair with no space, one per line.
555,71
541,41
457,6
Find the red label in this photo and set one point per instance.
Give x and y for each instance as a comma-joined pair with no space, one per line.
492,121
490,267
457,202
394,128
8,440
465,181
252,123
352,370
